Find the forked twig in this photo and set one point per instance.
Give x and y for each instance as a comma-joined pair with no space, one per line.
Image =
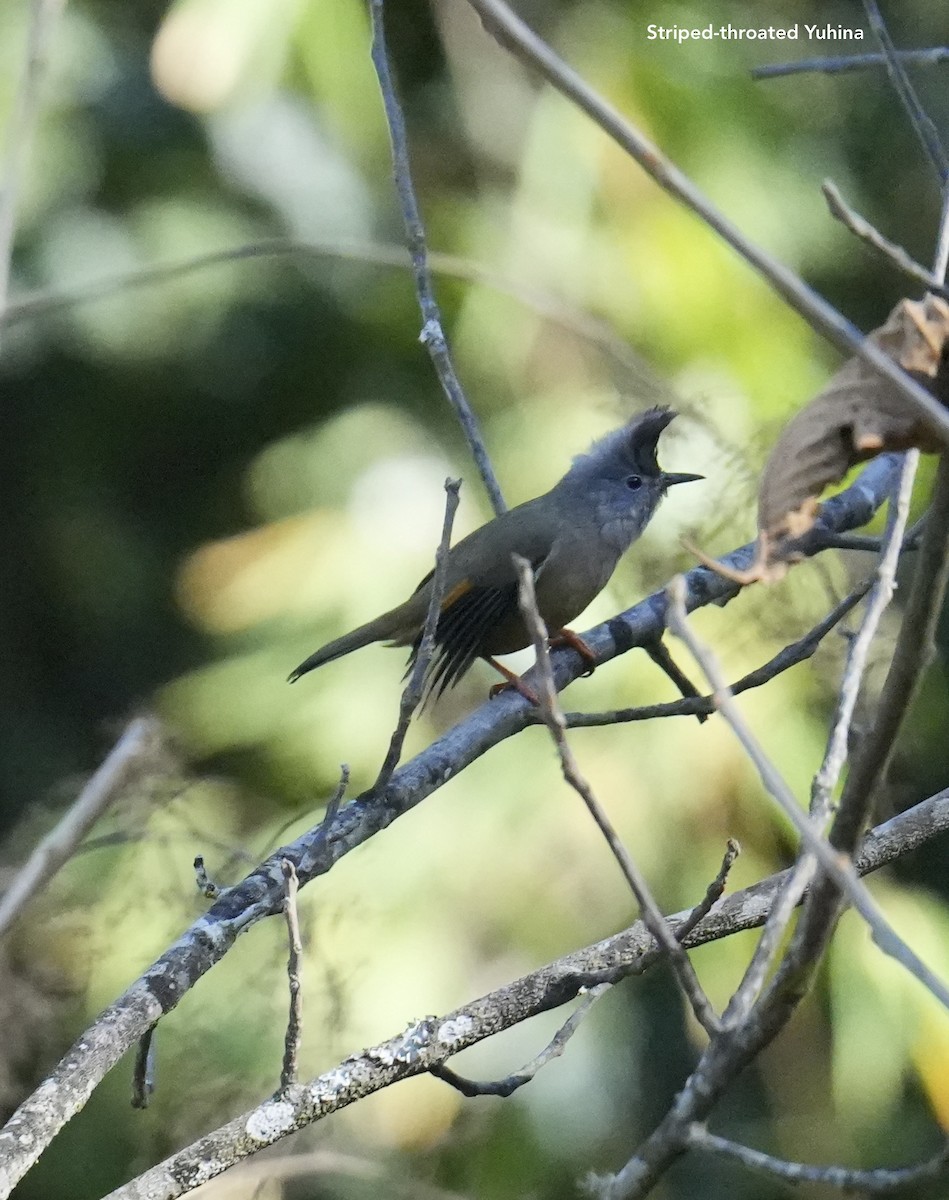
860,227
554,1048
790,656
836,866
925,130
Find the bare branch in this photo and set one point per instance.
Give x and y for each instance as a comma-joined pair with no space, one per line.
880,1181
825,781
414,689
515,36
871,236
291,1052
510,1084
912,653
554,1048
555,309
316,844
885,585
837,867
925,130
739,1043
136,745
432,1041
432,336
659,653
797,652
930,57
713,893
553,718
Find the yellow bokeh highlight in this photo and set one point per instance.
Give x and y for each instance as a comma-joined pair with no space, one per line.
205,50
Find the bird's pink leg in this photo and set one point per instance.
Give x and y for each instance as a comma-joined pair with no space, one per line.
513,681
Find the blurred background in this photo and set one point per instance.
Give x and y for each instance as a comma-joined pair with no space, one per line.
207,473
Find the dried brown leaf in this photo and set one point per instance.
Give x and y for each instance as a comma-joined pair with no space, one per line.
857,416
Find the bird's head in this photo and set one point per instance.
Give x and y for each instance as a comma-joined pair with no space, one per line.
620,477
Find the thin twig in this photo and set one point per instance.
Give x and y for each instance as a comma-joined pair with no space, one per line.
205,884
432,335
930,57
658,651
837,867
883,588
291,1050
126,759
553,718
557,310
825,781
318,841
554,1048
879,1181
941,255
738,1045
713,893
515,36
916,636
43,16
912,653
143,1072
925,130
860,227
797,652
510,1084
413,691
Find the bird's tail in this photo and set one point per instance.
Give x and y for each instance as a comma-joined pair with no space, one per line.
373,631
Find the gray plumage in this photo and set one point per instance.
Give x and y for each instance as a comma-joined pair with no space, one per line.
574,536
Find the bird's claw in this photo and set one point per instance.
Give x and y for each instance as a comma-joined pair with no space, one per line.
566,637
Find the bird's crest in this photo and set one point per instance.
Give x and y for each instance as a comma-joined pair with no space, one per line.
633,445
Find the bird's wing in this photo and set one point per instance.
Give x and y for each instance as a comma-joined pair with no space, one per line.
462,629
481,592
468,618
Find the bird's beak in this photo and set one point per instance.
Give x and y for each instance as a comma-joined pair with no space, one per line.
669,478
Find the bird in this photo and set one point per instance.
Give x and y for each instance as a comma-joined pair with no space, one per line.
573,537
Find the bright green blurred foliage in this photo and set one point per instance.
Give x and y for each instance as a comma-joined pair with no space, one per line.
208,476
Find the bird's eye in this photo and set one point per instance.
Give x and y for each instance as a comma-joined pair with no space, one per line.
634,483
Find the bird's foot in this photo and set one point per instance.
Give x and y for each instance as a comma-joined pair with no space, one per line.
566,637
512,681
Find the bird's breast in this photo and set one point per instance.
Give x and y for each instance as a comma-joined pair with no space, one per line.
574,575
